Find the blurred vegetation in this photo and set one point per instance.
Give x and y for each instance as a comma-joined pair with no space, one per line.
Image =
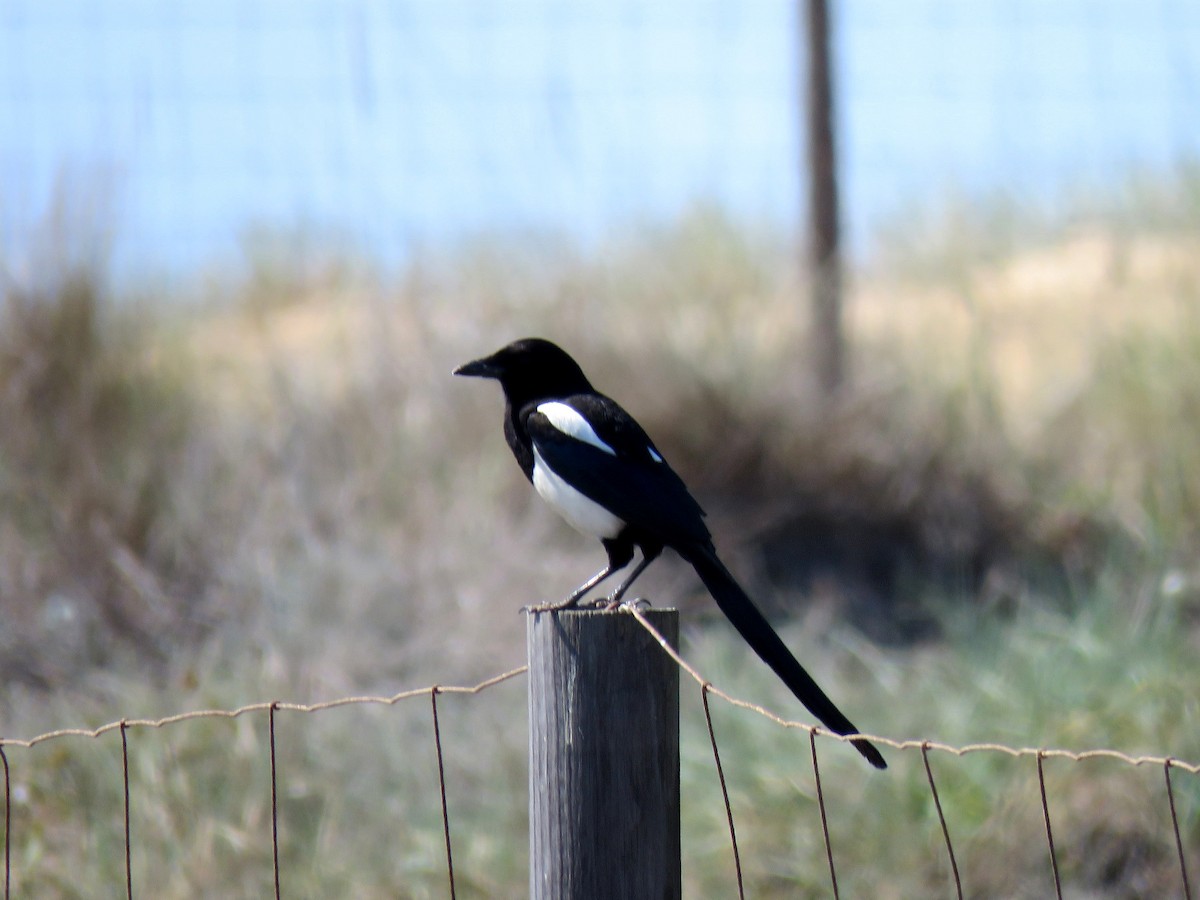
97,560
280,492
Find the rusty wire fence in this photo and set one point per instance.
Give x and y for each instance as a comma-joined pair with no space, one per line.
268,711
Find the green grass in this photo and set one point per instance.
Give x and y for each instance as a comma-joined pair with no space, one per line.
1106,677
216,506
360,811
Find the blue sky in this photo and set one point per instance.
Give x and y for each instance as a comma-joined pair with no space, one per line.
406,122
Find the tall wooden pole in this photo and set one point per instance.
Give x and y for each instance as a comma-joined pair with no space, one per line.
823,257
603,757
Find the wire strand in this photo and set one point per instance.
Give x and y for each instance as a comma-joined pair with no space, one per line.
937,802
1049,831
437,741
712,737
125,784
274,798
1187,887
812,743
258,707
7,825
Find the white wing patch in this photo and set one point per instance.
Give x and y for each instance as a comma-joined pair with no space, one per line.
583,513
654,454
569,421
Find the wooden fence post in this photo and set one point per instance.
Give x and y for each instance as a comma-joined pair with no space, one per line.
603,757
824,221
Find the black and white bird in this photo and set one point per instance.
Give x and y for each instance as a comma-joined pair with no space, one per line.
593,463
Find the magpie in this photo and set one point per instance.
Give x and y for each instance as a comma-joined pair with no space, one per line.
595,465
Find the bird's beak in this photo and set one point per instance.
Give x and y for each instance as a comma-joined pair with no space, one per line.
479,368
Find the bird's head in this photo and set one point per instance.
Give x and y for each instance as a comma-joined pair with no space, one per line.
530,369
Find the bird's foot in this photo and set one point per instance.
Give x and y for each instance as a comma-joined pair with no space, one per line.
601,604
570,603
609,604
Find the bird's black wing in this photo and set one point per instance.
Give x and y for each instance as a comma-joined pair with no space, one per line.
621,469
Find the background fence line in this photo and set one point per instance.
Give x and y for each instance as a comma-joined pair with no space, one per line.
1039,755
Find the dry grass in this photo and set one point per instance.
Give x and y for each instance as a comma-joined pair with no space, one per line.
95,436
286,495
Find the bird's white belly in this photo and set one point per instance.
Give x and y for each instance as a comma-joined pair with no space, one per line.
581,512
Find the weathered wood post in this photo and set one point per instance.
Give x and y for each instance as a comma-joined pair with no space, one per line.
603,757
824,255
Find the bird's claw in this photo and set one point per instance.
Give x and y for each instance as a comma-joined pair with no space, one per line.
635,603
535,608
601,604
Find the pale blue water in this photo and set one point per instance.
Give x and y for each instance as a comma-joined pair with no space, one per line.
409,122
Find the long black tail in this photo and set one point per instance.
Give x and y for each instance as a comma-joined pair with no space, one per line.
750,623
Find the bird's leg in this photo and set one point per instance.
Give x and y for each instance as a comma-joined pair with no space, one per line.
619,552
649,555
573,600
